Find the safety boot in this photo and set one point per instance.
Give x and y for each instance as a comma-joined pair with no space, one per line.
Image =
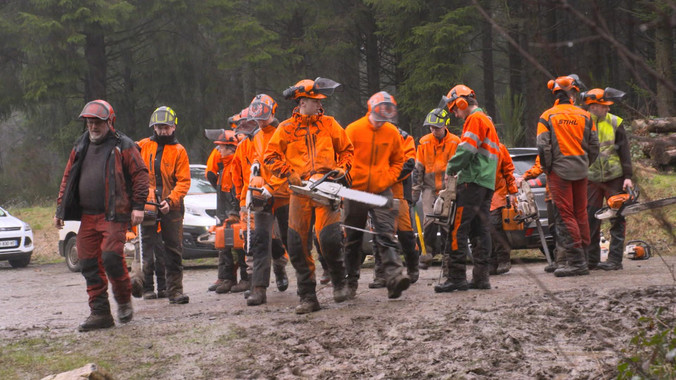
609,265
213,286
569,271
340,293
224,286
479,284
136,287
396,285
377,283
308,304
450,286
243,285
425,261
257,296
550,268
161,294
96,322
503,267
281,279
149,295
125,312
179,299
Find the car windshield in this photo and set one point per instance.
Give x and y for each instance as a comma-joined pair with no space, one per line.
198,183
2,212
523,163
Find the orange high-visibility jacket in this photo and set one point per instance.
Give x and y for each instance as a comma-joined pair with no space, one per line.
278,187
378,155
409,162
307,145
174,172
504,179
241,169
567,141
431,160
212,164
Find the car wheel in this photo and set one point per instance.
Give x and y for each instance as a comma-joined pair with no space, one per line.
20,263
72,262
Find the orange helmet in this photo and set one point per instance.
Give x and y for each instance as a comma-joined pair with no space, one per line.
565,83
245,124
227,138
99,109
319,88
383,107
457,97
604,97
262,107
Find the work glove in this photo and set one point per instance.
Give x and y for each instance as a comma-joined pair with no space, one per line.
257,182
294,179
255,169
265,194
339,173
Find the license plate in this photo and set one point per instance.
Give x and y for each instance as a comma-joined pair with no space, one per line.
8,243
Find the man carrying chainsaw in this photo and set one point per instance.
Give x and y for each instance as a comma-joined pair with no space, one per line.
269,197
475,163
567,145
500,261
228,208
434,152
378,162
309,144
401,191
169,168
609,175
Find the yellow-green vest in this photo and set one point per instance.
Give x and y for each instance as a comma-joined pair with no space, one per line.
607,166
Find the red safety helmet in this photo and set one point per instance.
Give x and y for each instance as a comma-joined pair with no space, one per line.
99,109
565,83
457,97
320,88
262,107
383,107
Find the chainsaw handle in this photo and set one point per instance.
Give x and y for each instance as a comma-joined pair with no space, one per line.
324,178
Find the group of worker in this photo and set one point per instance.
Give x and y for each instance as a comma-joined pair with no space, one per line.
111,183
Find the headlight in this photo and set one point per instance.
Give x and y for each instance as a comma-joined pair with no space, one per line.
26,226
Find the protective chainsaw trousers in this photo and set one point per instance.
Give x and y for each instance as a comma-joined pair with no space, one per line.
262,243
100,249
597,192
572,224
172,235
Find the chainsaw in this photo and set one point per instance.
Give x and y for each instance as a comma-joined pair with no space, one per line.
443,211
323,191
627,204
527,211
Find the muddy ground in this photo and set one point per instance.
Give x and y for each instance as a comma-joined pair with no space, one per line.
530,325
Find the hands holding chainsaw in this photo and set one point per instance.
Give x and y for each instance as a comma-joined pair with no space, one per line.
258,183
627,184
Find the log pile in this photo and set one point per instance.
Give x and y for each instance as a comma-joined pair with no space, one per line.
656,140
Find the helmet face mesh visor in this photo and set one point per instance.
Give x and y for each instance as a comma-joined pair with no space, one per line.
260,111
385,112
163,115
95,109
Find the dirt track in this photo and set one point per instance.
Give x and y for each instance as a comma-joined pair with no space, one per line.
530,325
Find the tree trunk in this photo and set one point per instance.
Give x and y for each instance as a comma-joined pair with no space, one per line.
662,125
372,56
487,59
664,42
95,54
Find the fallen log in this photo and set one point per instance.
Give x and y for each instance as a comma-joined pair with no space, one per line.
660,125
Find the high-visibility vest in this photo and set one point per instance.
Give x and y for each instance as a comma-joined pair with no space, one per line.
607,166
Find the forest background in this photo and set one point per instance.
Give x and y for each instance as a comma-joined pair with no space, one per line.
208,58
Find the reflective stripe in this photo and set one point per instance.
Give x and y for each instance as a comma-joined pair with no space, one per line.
487,153
491,143
467,146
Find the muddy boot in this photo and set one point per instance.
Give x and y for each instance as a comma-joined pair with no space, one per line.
125,312
213,286
396,285
96,322
425,261
308,304
179,299
550,268
340,293
281,279
378,283
570,270
136,286
257,296
242,286
224,287
479,284
480,277
161,294
451,286
149,295
503,267
609,265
